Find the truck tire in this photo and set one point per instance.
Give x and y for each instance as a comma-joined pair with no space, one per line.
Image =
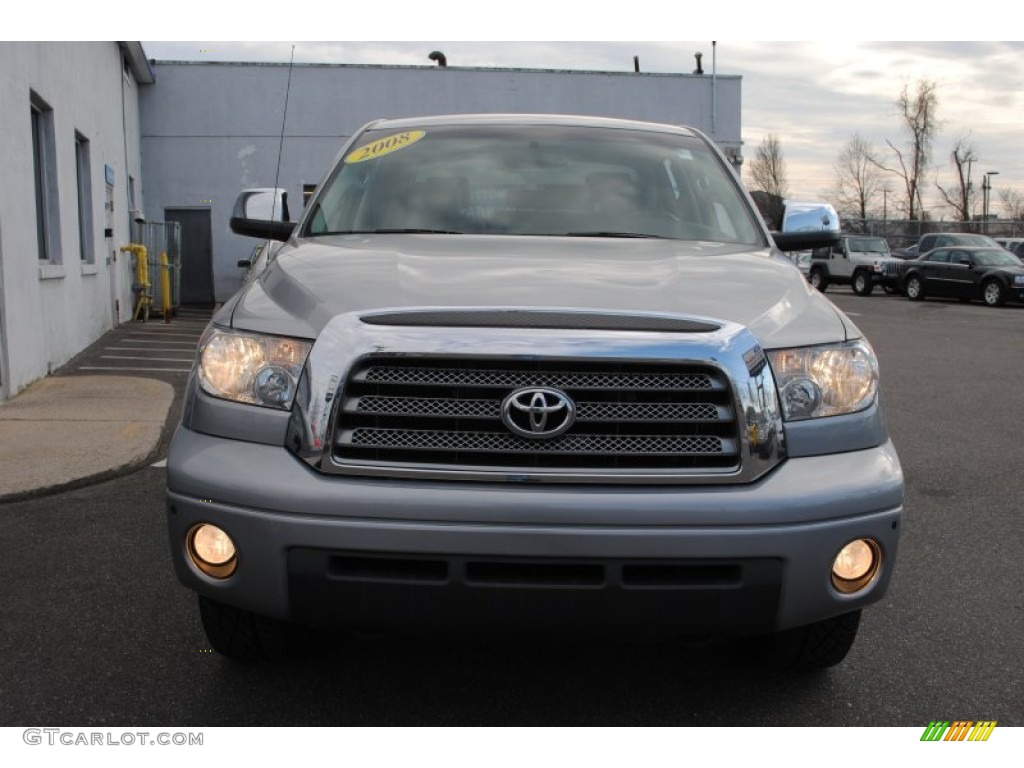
815,646
241,635
862,284
818,279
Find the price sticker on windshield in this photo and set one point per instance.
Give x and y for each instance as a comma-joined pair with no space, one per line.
384,146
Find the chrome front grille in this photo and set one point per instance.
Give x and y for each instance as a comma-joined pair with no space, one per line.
445,413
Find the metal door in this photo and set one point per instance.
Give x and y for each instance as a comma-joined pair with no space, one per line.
196,254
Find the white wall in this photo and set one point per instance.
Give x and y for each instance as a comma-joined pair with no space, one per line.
212,129
50,313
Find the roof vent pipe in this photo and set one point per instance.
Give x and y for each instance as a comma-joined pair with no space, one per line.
700,69
440,58
636,63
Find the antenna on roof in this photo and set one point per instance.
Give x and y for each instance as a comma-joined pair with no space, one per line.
280,146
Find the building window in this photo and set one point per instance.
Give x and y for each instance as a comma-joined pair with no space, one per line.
84,171
44,162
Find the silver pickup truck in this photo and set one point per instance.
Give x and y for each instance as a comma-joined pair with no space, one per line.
534,374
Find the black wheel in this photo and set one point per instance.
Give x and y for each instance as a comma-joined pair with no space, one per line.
914,288
862,284
241,635
815,646
993,293
818,279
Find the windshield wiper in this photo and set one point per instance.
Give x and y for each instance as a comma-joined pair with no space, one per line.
610,234
396,231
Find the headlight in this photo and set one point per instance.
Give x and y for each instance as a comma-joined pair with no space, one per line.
825,381
1018,279
251,368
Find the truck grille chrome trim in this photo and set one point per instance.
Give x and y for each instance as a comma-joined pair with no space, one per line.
426,403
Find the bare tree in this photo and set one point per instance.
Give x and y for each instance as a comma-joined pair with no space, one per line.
768,174
1013,203
961,196
918,112
858,179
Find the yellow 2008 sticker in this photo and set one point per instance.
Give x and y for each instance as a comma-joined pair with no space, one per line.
384,146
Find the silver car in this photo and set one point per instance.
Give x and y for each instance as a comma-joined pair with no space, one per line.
535,373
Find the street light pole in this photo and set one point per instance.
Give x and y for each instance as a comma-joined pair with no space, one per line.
986,189
970,192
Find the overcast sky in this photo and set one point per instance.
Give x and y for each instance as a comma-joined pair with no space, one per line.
813,95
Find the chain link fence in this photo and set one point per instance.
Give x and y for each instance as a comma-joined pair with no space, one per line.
901,233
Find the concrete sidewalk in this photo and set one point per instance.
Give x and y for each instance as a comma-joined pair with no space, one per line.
65,430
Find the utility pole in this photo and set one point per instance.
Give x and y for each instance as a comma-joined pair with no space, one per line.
986,191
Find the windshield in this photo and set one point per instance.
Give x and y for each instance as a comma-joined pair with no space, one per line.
868,245
534,180
996,257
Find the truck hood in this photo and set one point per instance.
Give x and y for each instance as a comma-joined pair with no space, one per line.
312,281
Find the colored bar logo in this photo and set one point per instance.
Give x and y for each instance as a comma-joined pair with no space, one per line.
958,730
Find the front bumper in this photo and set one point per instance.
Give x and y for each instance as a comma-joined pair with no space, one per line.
316,549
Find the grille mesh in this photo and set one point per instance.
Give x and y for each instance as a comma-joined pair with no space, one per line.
408,412
508,443
560,379
422,406
586,411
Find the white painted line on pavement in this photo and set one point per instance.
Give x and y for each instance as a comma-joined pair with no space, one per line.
161,463
146,333
143,349
151,359
130,368
151,341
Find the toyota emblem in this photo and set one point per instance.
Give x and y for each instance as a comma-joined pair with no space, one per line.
538,412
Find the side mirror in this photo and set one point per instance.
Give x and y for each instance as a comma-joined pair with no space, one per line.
807,225
262,213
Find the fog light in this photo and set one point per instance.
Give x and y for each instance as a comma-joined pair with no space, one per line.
212,550
856,565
